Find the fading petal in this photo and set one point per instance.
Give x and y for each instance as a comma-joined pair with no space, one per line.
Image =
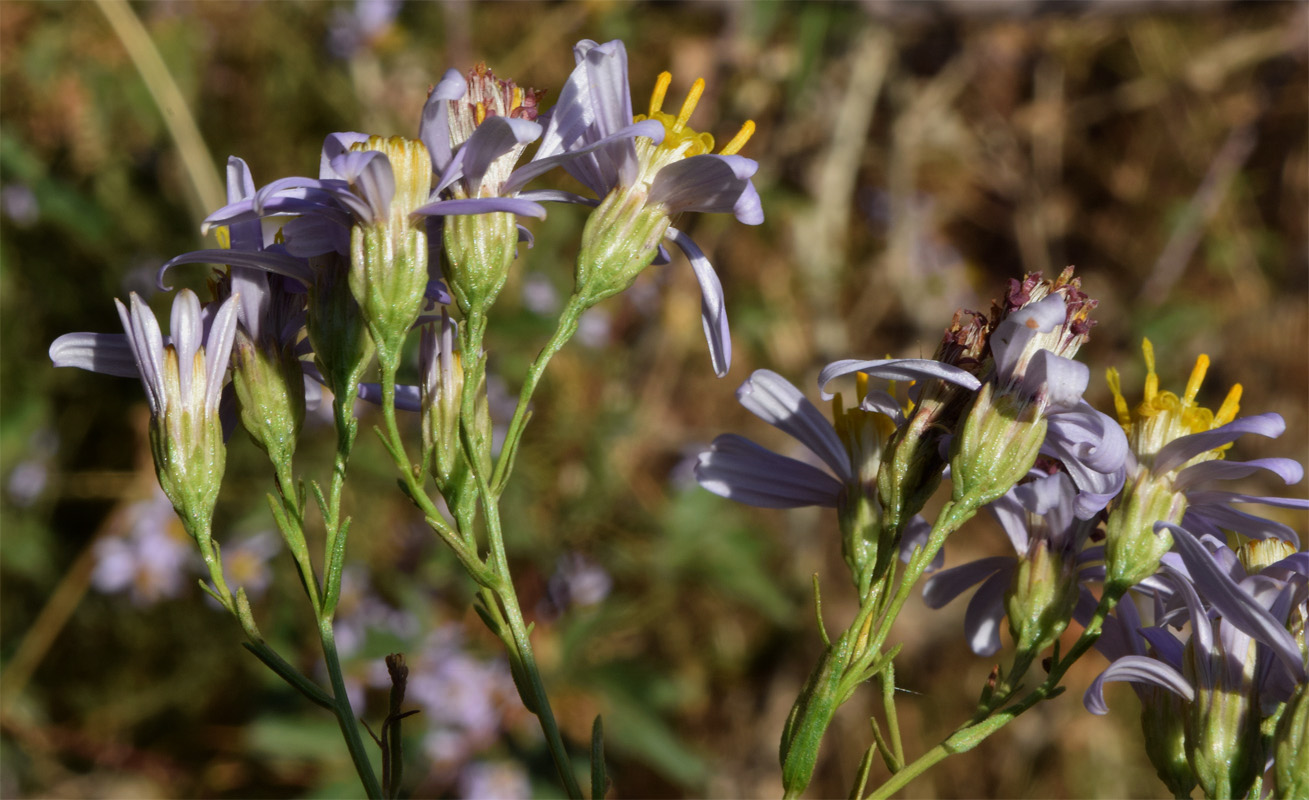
948,584
147,345
187,328
710,184
106,353
482,205
1179,451
407,398
218,349
585,167
985,611
713,313
434,129
739,469
773,399
1288,470
1236,606
1137,669
1011,336
896,369
495,137
265,260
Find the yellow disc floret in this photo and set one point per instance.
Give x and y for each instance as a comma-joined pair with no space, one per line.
1162,416
680,140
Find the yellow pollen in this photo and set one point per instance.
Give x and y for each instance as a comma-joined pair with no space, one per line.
1120,403
224,237
688,105
861,384
1151,379
517,101
1197,377
738,141
1231,404
479,113
661,89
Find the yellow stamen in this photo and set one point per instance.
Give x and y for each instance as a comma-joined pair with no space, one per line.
1120,403
688,105
861,384
1151,379
517,100
224,237
738,141
1231,404
661,89
479,112
1197,377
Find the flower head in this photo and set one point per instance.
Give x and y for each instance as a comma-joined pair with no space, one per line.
1177,446
644,172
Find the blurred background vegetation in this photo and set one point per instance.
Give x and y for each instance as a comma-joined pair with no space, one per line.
913,156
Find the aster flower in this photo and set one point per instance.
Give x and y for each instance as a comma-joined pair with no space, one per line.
1176,447
1233,670
1032,402
183,379
643,182
737,468
1040,521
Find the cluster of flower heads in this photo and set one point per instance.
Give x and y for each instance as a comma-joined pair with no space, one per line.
327,275
1085,499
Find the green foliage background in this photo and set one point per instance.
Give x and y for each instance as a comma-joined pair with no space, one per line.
912,158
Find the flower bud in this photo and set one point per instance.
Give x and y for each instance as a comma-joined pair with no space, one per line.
1133,545
479,248
336,327
1163,721
270,388
1041,597
1000,440
621,238
388,255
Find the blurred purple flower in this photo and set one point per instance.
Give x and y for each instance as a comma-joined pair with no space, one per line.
494,780
18,202
578,582
350,31
152,561
245,562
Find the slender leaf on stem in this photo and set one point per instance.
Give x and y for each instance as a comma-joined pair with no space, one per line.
599,780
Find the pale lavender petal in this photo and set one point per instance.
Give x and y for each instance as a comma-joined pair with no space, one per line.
147,346
434,129
482,205
1012,516
603,82
773,399
407,398
187,329
106,353
896,369
883,403
313,235
585,168
915,535
1137,669
985,611
369,173
1214,518
1288,470
948,584
1180,451
1235,605
741,470
218,349
1061,381
713,313
556,196
708,183
495,137
1094,450
334,145
1166,646
265,260
1011,336
240,183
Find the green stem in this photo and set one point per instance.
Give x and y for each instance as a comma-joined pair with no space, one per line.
986,723
564,331
291,523
345,715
